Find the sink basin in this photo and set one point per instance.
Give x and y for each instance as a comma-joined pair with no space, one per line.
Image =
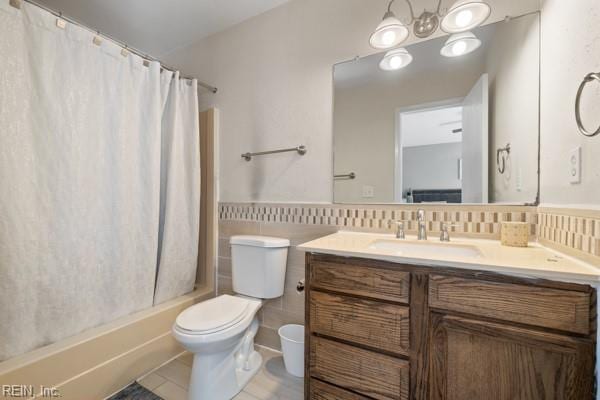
426,249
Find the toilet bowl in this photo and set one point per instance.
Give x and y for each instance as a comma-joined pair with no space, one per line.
220,332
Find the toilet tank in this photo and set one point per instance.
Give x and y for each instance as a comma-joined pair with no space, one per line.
258,265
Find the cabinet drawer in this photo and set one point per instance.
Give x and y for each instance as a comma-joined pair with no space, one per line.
374,375
361,280
380,325
322,391
545,307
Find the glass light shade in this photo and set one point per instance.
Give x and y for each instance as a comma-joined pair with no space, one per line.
460,44
389,33
395,59
465,15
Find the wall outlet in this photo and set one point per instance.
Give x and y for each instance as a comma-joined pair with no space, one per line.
368,191
575,165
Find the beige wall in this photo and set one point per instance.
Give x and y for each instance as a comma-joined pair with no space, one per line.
570,50
274,74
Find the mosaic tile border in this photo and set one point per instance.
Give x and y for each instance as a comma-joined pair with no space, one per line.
475,220
575,229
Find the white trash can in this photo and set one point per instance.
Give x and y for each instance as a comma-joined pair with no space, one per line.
292,345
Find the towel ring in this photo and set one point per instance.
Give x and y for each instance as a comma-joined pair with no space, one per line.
588,78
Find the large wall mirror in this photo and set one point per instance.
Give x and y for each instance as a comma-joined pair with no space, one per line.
458,129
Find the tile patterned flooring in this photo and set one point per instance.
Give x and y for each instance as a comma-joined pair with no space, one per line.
272,382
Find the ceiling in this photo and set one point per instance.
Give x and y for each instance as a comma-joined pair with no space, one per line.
431,126
157,27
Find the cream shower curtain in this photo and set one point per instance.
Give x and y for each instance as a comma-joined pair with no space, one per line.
81,153
180,192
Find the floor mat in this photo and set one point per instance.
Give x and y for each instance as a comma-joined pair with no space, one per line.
135,391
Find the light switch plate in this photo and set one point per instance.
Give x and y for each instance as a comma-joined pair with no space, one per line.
575,165
519,179
368,191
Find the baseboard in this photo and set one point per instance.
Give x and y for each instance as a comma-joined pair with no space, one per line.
268,337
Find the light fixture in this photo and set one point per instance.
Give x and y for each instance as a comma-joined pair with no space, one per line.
390,32
395,59
460,44
465,15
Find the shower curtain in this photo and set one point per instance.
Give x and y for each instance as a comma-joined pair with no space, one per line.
180,210
81,153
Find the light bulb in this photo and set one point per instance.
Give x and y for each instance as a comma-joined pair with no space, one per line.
464,18
465,15
395,62
459,47
389,33
388,38
395,59
460,44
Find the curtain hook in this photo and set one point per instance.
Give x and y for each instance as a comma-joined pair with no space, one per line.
60,22
97,39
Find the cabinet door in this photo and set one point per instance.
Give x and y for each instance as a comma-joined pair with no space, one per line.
475,360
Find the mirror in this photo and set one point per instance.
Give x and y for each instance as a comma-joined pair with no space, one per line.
462,129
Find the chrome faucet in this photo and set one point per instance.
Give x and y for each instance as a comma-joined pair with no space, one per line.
421,227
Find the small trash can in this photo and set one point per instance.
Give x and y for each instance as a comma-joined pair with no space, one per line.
292,345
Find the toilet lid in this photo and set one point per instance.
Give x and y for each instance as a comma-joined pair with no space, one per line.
213,315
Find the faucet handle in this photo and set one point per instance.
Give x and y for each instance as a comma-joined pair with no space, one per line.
399,229
444,232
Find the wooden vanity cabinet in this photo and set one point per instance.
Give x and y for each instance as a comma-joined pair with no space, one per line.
380,330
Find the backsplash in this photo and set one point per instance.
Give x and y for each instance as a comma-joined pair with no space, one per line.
470,220
574,230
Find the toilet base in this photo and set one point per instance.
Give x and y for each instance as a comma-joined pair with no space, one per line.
223,379
243,376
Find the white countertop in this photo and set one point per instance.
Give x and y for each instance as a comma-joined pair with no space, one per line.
535,261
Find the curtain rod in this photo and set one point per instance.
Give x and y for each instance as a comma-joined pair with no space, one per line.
133,50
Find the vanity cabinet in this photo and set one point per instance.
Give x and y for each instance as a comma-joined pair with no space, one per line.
381,330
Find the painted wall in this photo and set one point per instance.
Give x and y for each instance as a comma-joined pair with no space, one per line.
274,74
570,50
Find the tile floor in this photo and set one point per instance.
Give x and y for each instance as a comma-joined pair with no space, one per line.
272,382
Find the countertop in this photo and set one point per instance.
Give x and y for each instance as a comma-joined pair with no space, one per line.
535,261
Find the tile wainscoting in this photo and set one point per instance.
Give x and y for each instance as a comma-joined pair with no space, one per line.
481,221
574,231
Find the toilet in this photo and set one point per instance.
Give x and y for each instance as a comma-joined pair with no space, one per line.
220,331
